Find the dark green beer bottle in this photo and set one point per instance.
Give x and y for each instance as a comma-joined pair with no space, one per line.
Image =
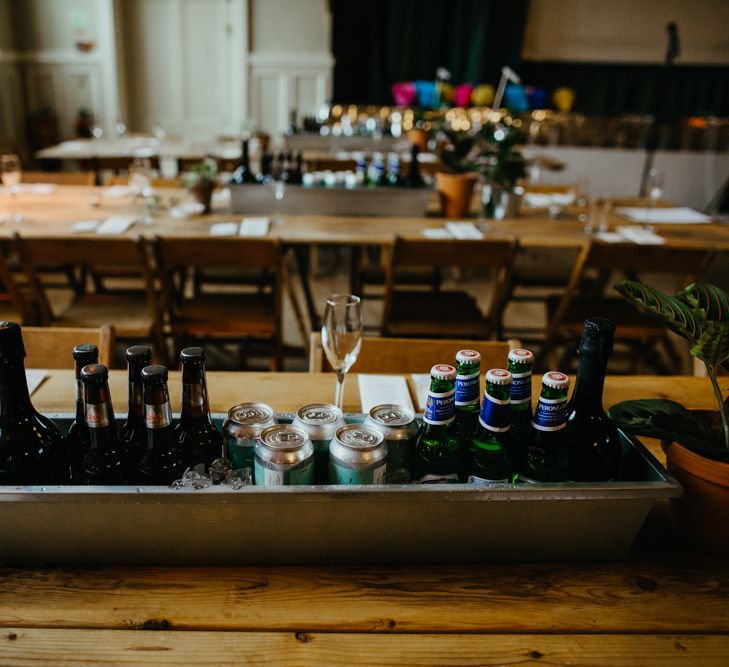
133,434
468,392
489,456
520,366
593,444
545,453
437,455
78,438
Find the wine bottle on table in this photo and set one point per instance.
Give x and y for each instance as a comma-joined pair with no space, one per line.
78,439
243,174
133,434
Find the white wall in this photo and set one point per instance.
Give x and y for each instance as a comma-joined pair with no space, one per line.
626,30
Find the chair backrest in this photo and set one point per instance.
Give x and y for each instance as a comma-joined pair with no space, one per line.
207,251
412,355
50,347
60,177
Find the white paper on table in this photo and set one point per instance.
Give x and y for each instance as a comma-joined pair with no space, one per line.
223,229
84,226
34,379
117,191
681,215
610,237
440,233
254,227
546,199
116,224
187,209
37,188
640,235
422,386
464,231
377,389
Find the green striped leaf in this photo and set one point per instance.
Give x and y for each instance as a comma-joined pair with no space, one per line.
713,346
713,300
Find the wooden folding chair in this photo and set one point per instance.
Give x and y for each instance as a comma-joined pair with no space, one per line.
50,347
224,314
134,316
566,314
59,177
446,313
412,355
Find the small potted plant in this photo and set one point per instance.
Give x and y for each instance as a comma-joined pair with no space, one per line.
455,186
201,181
696,443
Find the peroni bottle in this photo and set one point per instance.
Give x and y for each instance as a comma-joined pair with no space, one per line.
468,393
521,363
163,461
103,462
197,435
593,445
437,453
489,456
133,434
32,450
78,439
545,453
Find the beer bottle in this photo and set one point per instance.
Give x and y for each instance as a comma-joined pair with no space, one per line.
78,439
31,446
393,178
133,434
243,174
545,453
361,173
520,366
103,462
376,176
414,179
593,445
163,461
196,434
468,392
489,456
437,456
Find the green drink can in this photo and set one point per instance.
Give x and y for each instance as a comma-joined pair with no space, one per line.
284,456
357,455
399,429
320,421
243,428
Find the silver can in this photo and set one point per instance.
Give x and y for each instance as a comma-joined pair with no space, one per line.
320,421
242,428
357,455
284,456
399,429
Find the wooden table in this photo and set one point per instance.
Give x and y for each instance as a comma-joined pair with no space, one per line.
666,603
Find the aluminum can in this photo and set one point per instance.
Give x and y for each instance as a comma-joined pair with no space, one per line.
399,429
242,428
357,455
320,421
284,456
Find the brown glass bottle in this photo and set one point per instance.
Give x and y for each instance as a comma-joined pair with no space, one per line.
133,434
197,435
163,461
32,450
78,439
103,462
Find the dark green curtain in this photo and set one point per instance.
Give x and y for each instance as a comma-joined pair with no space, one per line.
379,42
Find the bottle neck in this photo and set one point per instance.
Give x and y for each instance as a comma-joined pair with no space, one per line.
136,393
14,395
194,394
590,382
99,415
441,406
157,413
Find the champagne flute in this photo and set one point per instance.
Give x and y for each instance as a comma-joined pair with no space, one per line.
10,172
341,336
653,191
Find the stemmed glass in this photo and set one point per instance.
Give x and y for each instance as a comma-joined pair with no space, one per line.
653,191
10,171
341,336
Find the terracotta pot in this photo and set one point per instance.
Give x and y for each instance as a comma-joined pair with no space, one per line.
702,514
202,193
419,138
456,193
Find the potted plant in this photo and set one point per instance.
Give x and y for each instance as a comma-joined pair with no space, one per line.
201,181
696,443
455,186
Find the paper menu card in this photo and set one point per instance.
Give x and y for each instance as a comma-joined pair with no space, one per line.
422,385
440,233
223,229
34,379
640,235
681,215
464,231
254,227
377,389
115,225
84,226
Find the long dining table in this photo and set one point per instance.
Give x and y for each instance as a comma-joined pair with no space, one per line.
666,603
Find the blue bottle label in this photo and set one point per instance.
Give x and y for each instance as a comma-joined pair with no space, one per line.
495,415
521,387
468,388
551,414
441,407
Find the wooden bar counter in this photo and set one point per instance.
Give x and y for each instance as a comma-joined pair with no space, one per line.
666,603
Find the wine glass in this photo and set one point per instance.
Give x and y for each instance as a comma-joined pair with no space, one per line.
10,171
341,336
653,191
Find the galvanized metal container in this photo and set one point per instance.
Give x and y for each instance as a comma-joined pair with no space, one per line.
242,428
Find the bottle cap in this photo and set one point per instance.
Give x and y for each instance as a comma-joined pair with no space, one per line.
154,374
443,372
86,352
556,380
498,376
597,338
521,356
192,354
138,353
11,343
95,373
468,357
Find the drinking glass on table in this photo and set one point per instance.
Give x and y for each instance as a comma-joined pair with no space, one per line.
10,172
653,191
341,336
